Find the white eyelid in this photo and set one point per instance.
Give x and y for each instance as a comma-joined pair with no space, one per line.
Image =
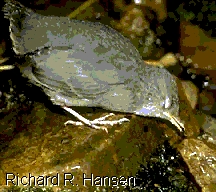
167,103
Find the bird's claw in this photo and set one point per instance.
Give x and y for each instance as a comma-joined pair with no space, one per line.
98,121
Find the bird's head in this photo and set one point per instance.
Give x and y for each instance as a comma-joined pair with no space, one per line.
160,96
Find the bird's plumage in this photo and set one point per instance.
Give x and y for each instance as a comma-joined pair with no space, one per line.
81,63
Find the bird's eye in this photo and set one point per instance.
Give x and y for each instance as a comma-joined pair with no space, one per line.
167,103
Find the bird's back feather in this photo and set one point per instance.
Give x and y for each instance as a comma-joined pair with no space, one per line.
89,64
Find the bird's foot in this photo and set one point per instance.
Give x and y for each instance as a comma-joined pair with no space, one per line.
94,123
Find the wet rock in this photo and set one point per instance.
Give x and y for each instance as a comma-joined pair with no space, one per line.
207,102
187,114
134,26
39,150
166,61
196,45
158,6
165,171
208,124
201,161
191,92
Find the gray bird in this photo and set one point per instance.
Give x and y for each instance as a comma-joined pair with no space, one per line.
80,63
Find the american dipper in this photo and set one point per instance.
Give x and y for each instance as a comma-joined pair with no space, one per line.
81,63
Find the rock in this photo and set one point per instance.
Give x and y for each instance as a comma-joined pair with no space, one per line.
201,161
197,46
38,150
191,92
207,102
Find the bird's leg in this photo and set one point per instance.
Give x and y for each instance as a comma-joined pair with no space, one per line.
94,123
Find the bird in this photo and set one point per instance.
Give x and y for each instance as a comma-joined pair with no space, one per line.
83,63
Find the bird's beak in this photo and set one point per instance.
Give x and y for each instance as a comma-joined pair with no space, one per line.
175,121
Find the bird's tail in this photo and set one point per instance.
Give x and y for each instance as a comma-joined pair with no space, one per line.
15,11
18,16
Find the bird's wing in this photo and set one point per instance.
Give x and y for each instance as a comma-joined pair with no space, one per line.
77,74
31,31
